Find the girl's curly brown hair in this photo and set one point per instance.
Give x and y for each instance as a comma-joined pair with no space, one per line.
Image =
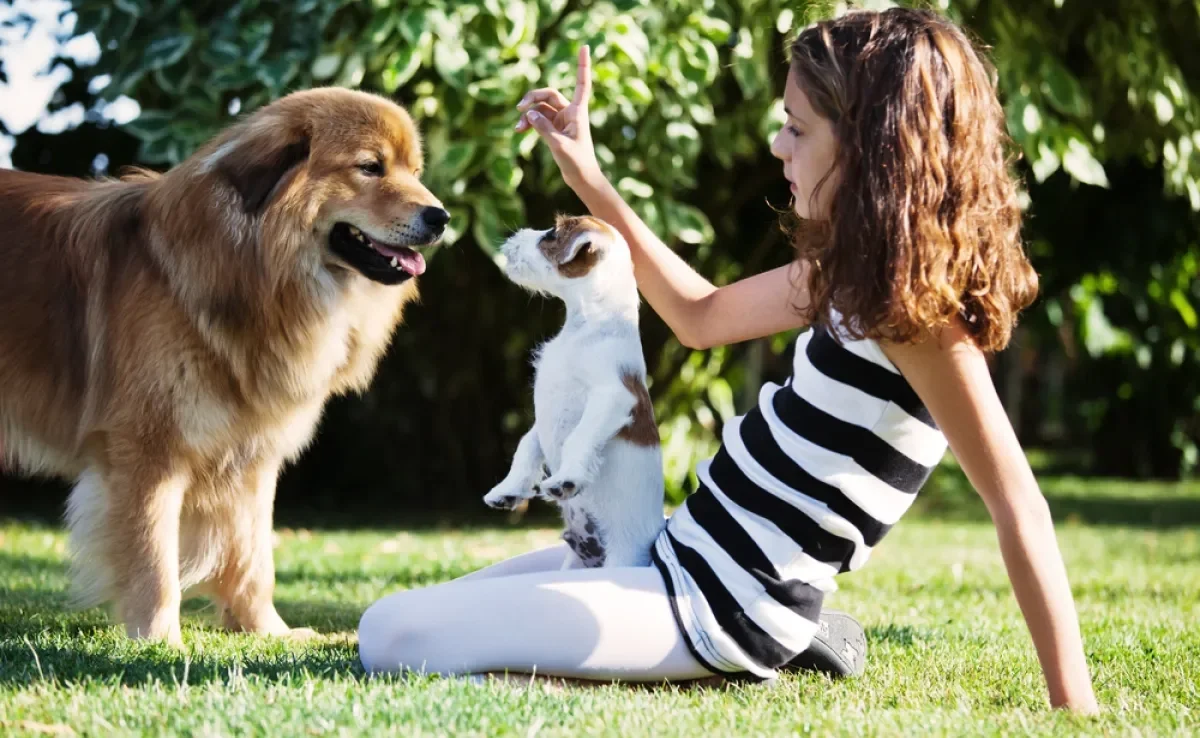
924,224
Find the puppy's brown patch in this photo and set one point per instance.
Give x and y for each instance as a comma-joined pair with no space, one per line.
642,430
566,230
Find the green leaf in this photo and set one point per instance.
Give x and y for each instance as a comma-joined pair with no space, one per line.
175,78
1063,90
1046,163
1079,162
454,161
703,57
1100,335
129,7
688,223
720,394
380,28
412,23
632,187
120,27
150,125
352,71
638,91
495,219
1180,302
504,173
630,40
493,91
159,151
255,38
92,18
451,59
326,65
551,8
750,64
401,66
714,29
231,77
221,53
514,16
277,73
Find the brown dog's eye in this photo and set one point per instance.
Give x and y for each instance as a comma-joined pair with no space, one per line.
372,168
549,235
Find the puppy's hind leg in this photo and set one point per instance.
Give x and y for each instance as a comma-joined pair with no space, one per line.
245,580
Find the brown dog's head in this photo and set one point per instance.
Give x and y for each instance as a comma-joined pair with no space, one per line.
335,169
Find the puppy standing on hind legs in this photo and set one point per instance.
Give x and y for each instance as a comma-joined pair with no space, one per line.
594,429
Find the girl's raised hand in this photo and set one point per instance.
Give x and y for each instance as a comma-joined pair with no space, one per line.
563,125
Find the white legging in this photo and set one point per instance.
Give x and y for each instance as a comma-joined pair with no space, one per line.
527,615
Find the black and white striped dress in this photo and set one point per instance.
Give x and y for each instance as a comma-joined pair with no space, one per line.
804,486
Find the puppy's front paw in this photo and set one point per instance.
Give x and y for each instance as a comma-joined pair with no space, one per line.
505,497
561,487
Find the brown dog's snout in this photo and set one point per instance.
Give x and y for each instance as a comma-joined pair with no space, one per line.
435,218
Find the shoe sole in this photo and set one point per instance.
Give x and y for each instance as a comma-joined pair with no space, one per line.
838,649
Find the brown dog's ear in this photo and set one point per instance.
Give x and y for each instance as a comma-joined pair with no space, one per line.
255,167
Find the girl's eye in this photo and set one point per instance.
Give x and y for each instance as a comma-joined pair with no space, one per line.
793,130
372,168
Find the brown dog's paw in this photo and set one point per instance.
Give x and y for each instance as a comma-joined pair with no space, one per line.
301,634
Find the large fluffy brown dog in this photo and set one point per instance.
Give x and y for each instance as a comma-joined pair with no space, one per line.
169,341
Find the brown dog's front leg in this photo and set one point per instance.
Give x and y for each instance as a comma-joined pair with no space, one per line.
245,582
143,517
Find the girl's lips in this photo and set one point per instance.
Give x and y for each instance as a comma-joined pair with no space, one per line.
792,186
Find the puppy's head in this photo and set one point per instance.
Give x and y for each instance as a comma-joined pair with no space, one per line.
578,253
333,177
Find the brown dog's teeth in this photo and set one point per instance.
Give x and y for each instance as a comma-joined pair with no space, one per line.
394,263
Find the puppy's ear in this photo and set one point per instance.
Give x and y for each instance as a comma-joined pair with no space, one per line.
580,247
258,160
578,258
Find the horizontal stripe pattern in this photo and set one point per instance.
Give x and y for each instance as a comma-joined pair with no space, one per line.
804,486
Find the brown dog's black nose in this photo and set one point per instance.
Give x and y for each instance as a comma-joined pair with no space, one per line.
435,218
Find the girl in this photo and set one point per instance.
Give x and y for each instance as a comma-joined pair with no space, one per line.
909,270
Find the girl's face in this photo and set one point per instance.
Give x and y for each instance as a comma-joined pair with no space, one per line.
806,146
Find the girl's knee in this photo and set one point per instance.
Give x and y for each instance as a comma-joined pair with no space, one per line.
379,629
392,638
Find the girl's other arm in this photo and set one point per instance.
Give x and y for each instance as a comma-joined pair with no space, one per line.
951,377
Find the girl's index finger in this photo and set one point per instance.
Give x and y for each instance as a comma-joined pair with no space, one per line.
583,77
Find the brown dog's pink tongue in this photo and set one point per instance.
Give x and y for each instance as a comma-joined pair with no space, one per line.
407,259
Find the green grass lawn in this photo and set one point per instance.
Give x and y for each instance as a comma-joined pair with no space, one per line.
948,652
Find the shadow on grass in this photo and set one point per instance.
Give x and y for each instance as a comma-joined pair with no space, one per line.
66,664
1073,499
407,578
73,645
1135,512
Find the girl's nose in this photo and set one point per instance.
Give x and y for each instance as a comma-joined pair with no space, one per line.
779,147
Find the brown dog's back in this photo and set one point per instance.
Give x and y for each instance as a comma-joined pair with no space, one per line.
48,274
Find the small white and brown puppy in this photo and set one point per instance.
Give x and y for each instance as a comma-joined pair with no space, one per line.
594,432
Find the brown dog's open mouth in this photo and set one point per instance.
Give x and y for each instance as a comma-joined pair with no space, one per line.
377,261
